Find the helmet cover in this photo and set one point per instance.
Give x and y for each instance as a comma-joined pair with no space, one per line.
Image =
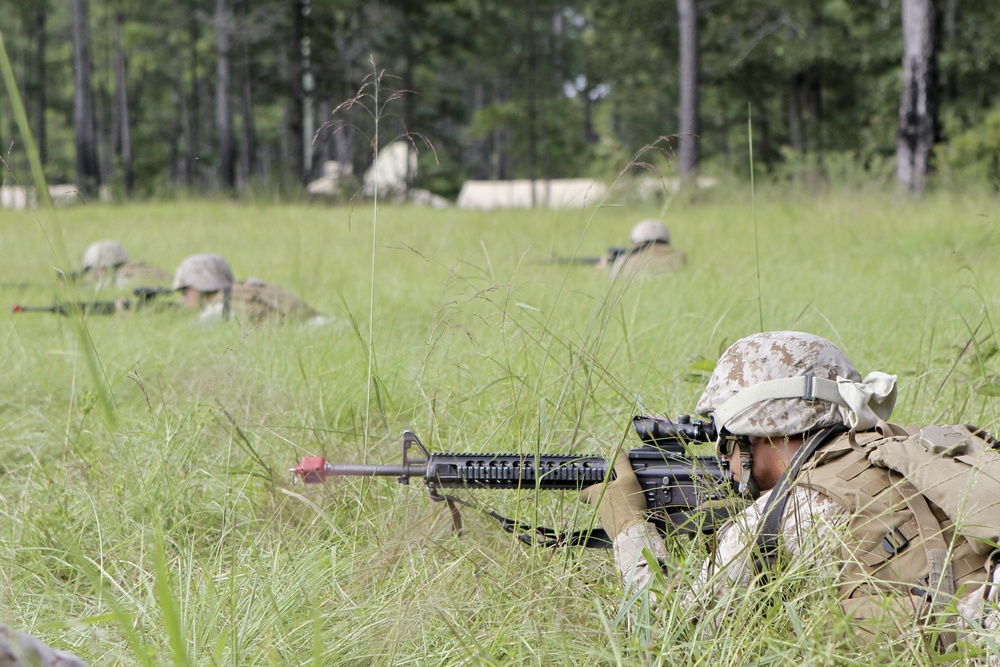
204,273
649,231
104,254
776,355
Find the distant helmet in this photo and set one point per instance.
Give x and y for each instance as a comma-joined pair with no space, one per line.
767,357
649,231
104,254
205,273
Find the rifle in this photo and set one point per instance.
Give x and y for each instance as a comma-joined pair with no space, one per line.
679,488
613,254
86,307
146,294
143,295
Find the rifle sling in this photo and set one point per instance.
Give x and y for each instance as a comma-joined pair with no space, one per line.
531,535
766,547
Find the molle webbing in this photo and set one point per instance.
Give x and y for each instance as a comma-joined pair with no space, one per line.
900,540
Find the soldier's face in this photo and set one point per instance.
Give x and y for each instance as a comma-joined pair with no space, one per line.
190,297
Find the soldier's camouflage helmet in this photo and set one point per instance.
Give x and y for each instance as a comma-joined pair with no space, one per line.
776,355
649,231
205,273
20,650
104,254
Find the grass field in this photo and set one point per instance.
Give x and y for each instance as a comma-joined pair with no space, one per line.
146,514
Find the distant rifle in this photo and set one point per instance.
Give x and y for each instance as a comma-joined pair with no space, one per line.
679,488
143,295
613,254
146,294
86,307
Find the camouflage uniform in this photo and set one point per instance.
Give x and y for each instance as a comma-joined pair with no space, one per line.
257,301
139,274
812,530
210,278
787,383
647,258
21,650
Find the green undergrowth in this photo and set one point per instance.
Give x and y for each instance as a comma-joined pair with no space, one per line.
146,511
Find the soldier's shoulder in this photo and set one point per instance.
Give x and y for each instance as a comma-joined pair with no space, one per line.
135,272
652,259
266,300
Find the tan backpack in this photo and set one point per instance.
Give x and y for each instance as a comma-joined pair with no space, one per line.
924,511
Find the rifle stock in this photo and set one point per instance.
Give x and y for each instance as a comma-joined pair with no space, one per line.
677,486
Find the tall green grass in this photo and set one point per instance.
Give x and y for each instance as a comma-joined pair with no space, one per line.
171,535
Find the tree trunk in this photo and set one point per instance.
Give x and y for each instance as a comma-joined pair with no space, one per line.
795,138
123,135
918,108
409,99
88,177
192,143
532,66
182,153
296,108
40,99
687,14
249,154
223,106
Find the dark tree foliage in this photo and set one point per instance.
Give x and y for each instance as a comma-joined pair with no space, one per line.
538,89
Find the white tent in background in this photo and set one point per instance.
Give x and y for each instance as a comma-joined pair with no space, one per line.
391,170
557,193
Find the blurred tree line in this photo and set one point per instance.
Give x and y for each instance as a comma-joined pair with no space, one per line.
151,97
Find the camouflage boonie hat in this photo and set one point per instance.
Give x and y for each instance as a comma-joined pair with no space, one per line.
104,254
776,355
649,231
205,273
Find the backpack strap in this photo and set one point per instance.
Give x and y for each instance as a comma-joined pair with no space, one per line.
766,546
940,590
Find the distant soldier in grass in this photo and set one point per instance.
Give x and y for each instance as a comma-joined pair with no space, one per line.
206,283
904,522
20,650
649,252
106,264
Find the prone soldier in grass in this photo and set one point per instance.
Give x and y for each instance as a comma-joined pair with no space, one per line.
206,283
106,264
906,522
649,252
